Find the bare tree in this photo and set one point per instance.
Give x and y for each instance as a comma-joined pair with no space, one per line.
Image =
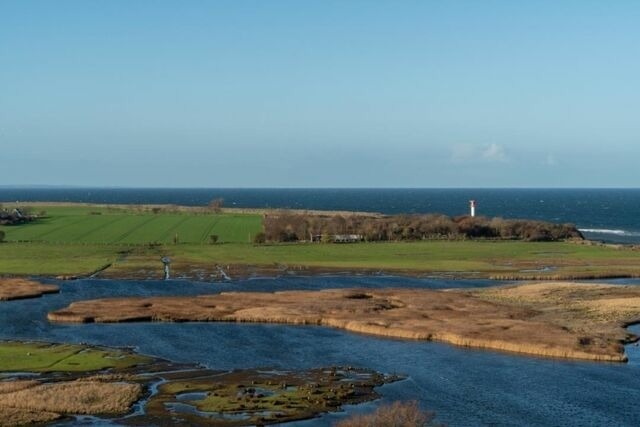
216,204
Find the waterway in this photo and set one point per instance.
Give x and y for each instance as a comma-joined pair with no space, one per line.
465,387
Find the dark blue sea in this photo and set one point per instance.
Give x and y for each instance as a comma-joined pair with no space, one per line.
611,215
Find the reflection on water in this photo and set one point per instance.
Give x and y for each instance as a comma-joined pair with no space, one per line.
465,387
191,397
184,408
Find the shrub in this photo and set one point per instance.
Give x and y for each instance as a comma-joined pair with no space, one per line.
584,341
216,205
397,414
2,236
213,239
260,238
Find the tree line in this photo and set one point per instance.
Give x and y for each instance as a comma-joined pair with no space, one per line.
292,227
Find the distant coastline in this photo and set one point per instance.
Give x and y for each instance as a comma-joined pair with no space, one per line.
127,242
590,209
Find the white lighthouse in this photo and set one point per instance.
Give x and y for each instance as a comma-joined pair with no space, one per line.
472,206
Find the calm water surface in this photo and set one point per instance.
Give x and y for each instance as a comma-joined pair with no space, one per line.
465,387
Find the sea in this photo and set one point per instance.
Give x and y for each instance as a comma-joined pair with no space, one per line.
610,215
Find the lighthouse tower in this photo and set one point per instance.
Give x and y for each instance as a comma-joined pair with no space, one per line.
472,206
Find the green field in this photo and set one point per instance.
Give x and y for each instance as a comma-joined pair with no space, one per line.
74,240
42,357
462,258
117,226
476,258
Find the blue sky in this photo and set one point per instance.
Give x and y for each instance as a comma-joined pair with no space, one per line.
320,93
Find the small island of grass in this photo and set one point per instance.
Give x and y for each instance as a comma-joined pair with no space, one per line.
11,289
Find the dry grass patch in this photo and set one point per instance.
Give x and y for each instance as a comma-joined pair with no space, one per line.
550,319
75,397
397,414
586,301
19,417
11,289
11,385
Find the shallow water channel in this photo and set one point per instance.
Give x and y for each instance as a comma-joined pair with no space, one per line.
464,387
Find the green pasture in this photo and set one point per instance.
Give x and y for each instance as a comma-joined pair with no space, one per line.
476,258
444,256
42,357
120,226
45,259
76,240
482,259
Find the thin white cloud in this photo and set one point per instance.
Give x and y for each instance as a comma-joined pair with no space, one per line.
469,153
495,153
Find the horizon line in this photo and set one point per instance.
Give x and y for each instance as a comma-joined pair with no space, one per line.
100,187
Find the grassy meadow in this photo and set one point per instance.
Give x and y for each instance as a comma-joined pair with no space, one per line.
99,225
79,240
42,357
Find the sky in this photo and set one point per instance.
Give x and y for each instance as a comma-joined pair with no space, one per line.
153,93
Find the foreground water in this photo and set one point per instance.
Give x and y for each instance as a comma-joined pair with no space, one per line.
465,387
602,214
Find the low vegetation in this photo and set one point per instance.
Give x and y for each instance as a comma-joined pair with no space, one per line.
508,260
20,417
74,397
254,397
397,414
66,382
11,289
292,227
70,382
44,357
